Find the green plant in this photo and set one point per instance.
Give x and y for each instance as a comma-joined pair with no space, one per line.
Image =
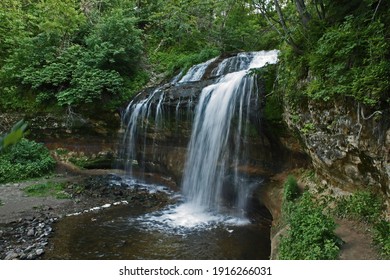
61,152
308,128
362,205
14,136
80,161
291,189
367,207
382,237
47,189
25,160
310,234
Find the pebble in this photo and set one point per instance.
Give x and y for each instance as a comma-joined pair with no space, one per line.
11,256
39,252
31,232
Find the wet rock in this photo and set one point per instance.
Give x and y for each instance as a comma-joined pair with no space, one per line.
30,232
11,256
31,256
39,252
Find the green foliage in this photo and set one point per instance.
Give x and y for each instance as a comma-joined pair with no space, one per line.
14,136
311,233
367,207
69,53
382,237
342,52
349,60
174,60
25,160
362,205
291,189
71,64
308,128
56,190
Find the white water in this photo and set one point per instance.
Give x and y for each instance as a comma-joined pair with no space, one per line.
136,117
196,72
210,159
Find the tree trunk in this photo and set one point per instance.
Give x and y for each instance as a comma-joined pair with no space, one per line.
287,32
302,10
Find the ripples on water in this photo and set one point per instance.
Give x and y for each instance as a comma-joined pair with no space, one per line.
175,232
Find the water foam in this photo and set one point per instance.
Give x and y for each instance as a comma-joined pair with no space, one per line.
186,218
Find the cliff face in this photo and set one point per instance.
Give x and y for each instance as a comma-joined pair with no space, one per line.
348,146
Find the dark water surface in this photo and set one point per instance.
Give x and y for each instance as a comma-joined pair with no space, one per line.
123,232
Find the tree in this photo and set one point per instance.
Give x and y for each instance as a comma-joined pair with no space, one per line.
67,59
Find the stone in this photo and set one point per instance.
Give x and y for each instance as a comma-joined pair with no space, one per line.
11,256
31,232
352,171
31,256
39,252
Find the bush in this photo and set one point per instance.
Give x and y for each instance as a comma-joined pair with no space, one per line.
382,237
363,205
291,189
367,207
25,160
311,233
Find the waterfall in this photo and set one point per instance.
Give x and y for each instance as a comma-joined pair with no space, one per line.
210,159
137,121
196,72
220,125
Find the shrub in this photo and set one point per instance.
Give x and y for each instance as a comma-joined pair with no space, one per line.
25,160
311,233
382,237
291,189
367,207
362,205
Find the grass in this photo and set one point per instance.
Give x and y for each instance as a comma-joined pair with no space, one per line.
310,233
367,207
48,189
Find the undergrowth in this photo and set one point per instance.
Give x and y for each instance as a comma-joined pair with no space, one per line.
310,235
367,207
56,190
25,160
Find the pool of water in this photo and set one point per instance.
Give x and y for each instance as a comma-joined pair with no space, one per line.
173,232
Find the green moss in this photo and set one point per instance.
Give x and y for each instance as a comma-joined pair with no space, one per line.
308,128
56,190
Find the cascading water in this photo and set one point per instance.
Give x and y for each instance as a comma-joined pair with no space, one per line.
217,145
196,72
209,161
205,220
